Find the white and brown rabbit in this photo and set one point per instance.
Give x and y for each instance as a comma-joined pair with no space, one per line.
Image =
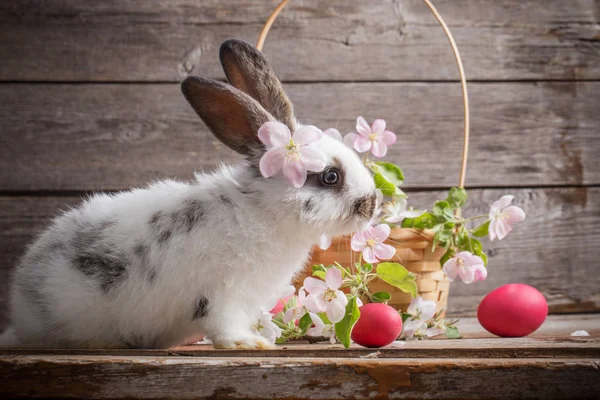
148,268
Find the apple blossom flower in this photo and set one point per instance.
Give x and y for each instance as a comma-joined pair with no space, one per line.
334,134
396,211
503,216
299,310
295,154
326,296
265,327
370,242
420,309
467,266
320,329
374,137
414,329
439,327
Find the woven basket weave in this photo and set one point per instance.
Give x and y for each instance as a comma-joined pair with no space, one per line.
413,246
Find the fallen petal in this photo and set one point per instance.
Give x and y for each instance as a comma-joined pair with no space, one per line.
579,333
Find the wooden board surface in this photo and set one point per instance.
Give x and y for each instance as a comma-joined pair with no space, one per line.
362,39
555,249
548,364
108,136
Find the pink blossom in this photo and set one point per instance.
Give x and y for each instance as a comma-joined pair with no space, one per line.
265,327
326,296
320,329
503,216
421,309
299,310
370,242
396,211
295,154
374,137
469,267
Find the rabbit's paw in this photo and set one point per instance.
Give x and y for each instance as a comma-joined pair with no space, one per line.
245,342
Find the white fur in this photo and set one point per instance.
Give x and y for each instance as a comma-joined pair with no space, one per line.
238,255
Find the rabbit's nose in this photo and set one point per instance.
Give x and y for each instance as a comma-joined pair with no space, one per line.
365,206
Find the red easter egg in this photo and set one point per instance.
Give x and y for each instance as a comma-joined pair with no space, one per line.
378,325
513,310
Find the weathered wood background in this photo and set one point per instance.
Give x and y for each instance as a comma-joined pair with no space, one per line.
89,101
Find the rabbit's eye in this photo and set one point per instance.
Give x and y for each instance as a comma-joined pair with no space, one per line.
329,177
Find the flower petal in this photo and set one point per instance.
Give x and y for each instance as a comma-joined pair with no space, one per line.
503,228
313,158
378,126
362,127
333,133
467,274
314,303
295,172
317,330
480,273
336,311
380,232
450,268
272,161
379,149
274,133
341,296
369,255
287,291
292,314
413,213
388,137
307,134
349,139
333,278
492,229
502,203
515,214
384,251
362,144
314,286
358,241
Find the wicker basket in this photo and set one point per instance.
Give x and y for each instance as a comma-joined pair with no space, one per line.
413,246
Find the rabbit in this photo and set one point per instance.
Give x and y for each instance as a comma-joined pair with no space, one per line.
150,267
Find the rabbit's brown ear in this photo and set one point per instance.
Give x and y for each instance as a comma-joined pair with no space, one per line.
231,115
248,70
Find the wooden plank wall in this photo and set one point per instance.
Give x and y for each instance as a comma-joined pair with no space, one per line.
89,101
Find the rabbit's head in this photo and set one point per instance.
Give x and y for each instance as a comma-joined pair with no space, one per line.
337,200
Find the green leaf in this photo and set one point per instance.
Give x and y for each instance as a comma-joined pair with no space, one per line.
343,329
324,318
424,221
482,230
452,332
305,323
405,316
442,237
391,172
319,274
478,250
381,297
291,303
443,211
386,187
447,255
457,197
367,267
398,276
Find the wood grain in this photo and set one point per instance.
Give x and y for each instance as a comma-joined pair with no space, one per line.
114,377
312,40
554,249
111,136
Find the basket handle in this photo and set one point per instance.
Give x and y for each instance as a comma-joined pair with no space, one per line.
463,81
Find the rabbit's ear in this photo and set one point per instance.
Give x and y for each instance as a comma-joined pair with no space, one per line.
231,115
248,70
